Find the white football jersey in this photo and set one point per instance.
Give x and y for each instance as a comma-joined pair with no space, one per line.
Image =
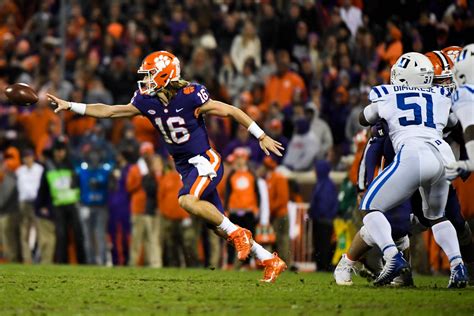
463,105
412,113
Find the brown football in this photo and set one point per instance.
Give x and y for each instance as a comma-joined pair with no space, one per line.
21,94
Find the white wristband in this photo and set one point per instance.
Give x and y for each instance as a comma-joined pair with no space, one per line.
255,130
79,108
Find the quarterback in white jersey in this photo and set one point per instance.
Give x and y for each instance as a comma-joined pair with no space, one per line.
463,108
416,114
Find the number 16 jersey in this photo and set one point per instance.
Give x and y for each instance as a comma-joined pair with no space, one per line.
179,122
412,113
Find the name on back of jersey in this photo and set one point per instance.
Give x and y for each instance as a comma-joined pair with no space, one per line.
380,92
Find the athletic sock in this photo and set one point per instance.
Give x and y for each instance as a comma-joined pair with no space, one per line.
349,260
445,236
381,232
259,252
227,226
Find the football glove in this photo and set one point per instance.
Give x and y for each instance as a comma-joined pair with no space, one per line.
458,168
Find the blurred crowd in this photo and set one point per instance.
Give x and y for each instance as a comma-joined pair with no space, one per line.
302,69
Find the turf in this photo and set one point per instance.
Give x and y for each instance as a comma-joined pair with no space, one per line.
72,290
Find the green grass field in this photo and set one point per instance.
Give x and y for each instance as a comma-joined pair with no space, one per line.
69,290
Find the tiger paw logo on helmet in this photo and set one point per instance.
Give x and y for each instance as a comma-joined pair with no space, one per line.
162,62
158,68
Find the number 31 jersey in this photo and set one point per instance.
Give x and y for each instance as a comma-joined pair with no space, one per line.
179,122
412,113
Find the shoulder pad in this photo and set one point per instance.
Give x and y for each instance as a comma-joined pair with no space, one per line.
463,93
379,93
466,90
198,92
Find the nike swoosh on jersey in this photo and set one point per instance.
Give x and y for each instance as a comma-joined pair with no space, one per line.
179,110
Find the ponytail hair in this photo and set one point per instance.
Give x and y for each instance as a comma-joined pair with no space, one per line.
172,89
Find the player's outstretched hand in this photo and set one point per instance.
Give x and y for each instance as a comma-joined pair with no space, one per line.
268,145
60,104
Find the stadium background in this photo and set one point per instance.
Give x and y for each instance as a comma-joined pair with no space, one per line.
302,69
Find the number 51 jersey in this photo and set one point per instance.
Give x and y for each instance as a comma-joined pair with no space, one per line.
412,113
181,126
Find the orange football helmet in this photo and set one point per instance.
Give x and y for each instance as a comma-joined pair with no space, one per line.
159,69
443,75
452,52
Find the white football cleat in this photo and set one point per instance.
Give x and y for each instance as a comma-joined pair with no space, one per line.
343,271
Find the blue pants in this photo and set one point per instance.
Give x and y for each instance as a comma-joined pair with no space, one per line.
399,219
202,187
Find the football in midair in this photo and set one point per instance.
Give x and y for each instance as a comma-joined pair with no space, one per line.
21,94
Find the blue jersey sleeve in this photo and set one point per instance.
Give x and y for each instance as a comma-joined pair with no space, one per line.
197,93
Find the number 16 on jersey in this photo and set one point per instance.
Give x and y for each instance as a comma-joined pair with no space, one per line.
178,134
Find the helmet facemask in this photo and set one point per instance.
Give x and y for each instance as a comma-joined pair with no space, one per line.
445,81
148,85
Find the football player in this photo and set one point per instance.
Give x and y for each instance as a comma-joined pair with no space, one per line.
378,151
416,114
380,146
463,107
452,52
176,108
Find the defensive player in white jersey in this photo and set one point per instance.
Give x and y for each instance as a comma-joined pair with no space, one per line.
416,113
463,107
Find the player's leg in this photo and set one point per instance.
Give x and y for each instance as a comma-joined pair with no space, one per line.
345,266
273,265
199,197
204,210
434,202
453,214
257,250
399,218
359,251
393,186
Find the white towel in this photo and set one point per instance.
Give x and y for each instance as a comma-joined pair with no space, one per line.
203,166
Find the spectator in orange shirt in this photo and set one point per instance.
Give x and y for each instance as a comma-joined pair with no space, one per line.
393,48
281,86
279,196
242,195
45,142
142,184
37,123
179,231
77,125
